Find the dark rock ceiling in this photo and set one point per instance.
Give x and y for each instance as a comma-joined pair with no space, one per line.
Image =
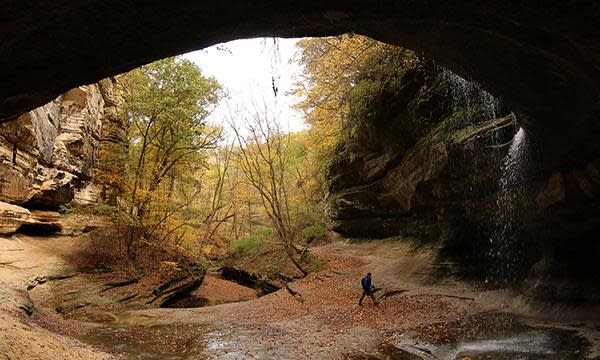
542,58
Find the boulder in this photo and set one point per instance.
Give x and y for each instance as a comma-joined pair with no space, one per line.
45,216
42,223
12,217
86,195
53,188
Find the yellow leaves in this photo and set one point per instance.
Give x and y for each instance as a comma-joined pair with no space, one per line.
171,264
207,249
331,66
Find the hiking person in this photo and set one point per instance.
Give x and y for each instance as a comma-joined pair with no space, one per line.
368,289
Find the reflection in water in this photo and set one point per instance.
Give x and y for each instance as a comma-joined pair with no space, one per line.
177,342
190,342
530,345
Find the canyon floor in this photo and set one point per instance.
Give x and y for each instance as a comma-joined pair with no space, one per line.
423,313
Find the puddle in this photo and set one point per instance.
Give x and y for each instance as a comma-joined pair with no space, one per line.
235,343
531,345
176,342
505,340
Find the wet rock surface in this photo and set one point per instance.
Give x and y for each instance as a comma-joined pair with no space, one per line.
428,159
511,343
433,322
212,291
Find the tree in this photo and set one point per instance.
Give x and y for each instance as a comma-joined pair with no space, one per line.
341,78
166,105
263,158
331,65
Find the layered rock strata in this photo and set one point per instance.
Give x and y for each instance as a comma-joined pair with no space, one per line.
448,172
52,156
48,156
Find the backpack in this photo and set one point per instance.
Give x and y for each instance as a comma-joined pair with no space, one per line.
363,283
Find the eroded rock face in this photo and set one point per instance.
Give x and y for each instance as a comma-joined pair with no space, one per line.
82,114
48,156
35,131
11,217
445,186
414,157
113,146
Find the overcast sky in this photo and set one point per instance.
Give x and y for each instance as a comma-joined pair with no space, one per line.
245,68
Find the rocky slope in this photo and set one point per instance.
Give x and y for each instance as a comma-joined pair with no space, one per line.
49,156
83,277
429,157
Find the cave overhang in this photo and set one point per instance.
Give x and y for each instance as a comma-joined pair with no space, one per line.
542,59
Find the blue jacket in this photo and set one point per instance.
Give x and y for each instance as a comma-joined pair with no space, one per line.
366,283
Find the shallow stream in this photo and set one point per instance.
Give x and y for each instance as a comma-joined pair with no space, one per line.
177,342
530,345
225,341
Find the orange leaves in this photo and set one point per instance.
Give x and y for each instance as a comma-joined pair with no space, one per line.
331,69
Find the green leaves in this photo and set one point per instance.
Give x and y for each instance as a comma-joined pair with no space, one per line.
166,105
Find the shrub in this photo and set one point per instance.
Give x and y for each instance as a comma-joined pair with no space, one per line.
312,233
253,242
103,251
307,214
316,264
117,214
265,233
67,209
246,244
362,95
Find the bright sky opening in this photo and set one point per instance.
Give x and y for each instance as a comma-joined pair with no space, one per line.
249,70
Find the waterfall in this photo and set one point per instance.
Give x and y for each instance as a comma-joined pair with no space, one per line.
503,254
510,206
470,96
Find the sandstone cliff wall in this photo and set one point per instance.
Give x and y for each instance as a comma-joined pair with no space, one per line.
49,156
425,160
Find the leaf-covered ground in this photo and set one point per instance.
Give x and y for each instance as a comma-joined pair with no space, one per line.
319,317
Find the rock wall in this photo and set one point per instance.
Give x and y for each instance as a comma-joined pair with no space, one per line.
414,155
424,159
49,156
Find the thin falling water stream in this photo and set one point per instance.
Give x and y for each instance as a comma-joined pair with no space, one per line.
510,207
471,97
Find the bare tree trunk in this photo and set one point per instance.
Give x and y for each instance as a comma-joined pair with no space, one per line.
264,163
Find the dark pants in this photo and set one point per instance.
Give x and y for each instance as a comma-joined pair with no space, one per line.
367,293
